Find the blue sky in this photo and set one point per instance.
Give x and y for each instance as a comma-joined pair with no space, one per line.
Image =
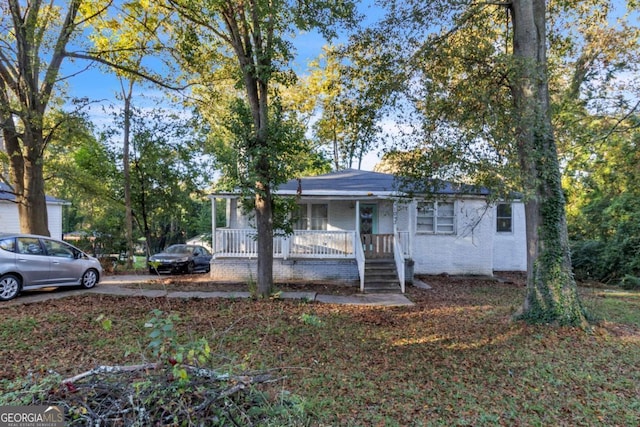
101,87
97,84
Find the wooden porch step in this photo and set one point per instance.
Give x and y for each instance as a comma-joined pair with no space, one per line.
381,276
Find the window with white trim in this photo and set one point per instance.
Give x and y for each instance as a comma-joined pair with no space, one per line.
436,217
504,218
312,216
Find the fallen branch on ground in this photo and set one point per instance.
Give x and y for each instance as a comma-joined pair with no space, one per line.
147,393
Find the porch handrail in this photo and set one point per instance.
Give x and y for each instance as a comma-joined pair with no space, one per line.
399,259
359,252
404,242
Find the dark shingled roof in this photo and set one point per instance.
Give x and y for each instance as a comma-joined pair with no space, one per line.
6,193
354,181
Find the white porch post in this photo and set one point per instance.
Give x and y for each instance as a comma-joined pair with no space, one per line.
213,226
412,225
358,216
286,246
395,217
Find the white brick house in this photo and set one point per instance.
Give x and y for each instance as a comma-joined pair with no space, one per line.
10,220
350,218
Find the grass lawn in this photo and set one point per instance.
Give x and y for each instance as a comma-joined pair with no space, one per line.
455,358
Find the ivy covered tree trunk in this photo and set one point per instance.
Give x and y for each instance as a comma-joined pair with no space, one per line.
551,289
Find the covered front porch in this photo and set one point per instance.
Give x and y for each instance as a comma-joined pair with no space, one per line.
337,239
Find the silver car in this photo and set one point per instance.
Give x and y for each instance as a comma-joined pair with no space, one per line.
31,262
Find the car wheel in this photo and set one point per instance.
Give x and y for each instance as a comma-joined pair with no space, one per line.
190,268
89,279
9,287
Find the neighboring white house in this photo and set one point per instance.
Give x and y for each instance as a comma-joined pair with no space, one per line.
10,220
349,220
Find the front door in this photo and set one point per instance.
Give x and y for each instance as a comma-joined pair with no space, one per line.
368,228
368,219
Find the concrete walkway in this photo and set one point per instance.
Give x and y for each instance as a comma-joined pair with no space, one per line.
115,285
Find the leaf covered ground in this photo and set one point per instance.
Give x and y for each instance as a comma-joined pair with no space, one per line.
455,358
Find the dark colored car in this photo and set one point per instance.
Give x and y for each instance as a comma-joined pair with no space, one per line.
30,262
181,259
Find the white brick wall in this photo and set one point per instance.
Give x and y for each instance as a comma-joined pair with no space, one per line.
476,247
244,270
468,251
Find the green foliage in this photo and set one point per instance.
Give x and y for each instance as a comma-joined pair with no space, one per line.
458,358
165,346
350,109
182,390
29,390
34,39
630,282
604,208
170,170
589,260
310,319
286,157
105,322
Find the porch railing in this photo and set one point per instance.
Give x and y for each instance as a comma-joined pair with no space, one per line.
301,244
377,245
321,244
236,243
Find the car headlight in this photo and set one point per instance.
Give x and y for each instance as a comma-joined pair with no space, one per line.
183,259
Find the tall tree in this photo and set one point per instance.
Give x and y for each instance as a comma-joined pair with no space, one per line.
32,48
34,41
126,39
551,290
255,34
169,172
477,75
349,108
77,168
595,92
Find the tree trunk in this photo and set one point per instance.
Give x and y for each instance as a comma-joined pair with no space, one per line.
24,97
32,204
264,224
551,289
263,199
27,178
126,169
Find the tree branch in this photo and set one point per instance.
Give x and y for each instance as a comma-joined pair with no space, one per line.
126,69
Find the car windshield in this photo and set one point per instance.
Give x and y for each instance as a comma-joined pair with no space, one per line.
179,249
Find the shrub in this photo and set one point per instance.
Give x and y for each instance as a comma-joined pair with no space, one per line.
588,260
630,282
